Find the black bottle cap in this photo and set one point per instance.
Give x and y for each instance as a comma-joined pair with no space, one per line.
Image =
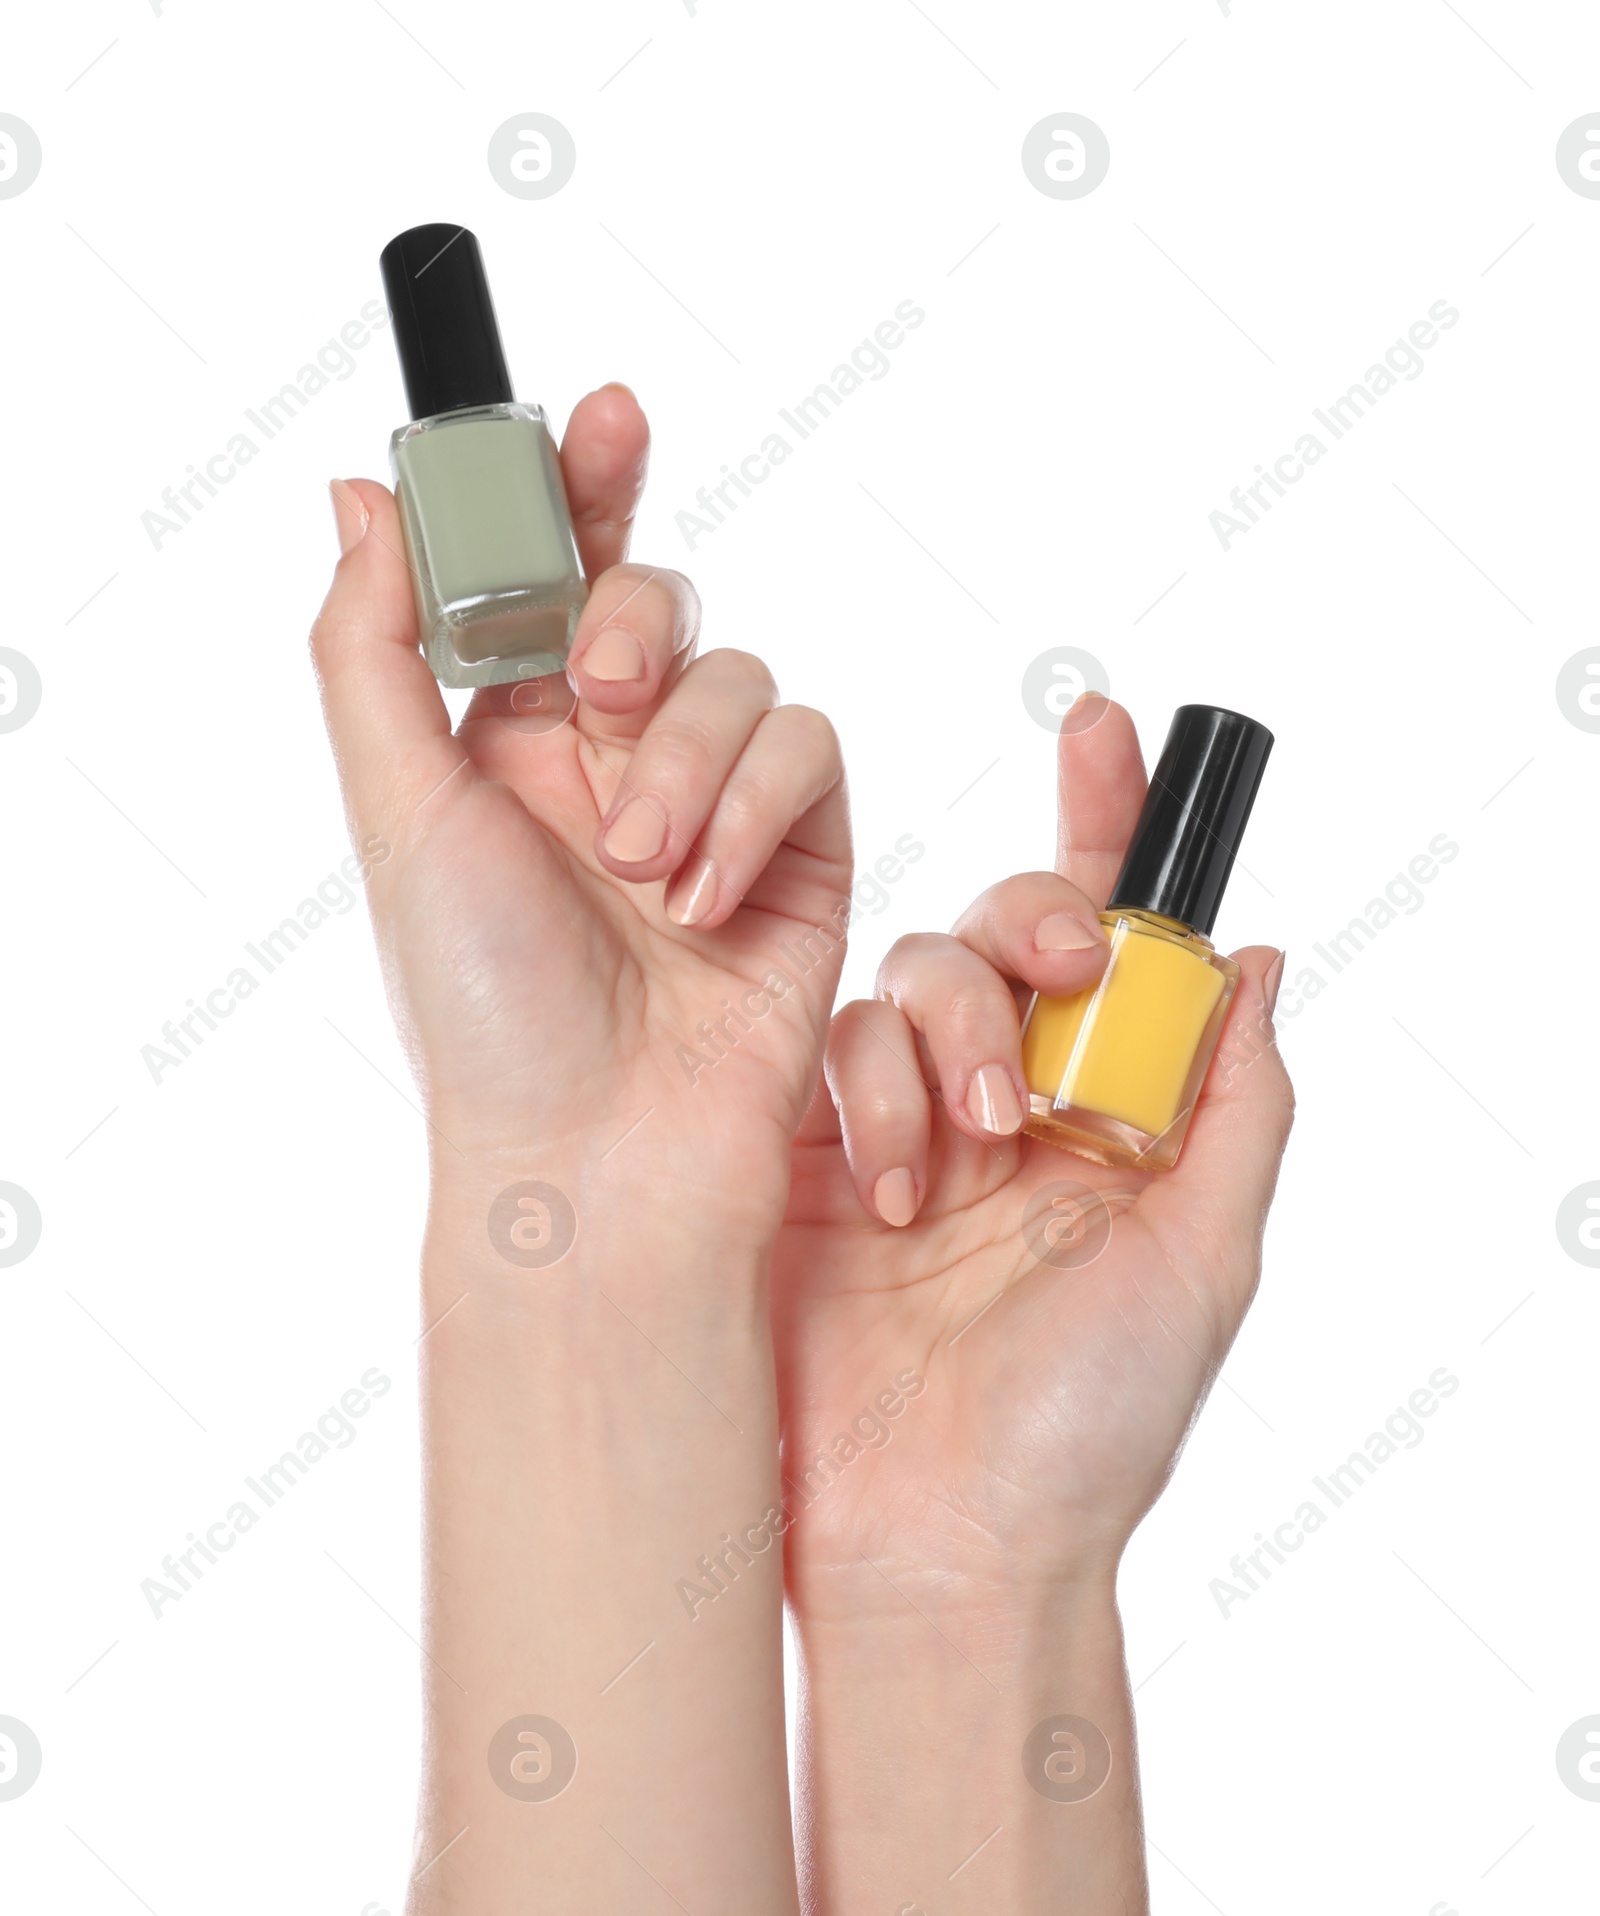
1194,815
444,324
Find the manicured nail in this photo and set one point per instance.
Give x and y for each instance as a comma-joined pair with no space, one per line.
637,833
1271,982
692,896
992,1103
1062,931
350,516
894,1197
614,654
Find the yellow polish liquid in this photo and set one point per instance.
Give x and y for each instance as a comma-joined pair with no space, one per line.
1114,1070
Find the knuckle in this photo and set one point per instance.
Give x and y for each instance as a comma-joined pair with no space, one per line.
330,642
1009,901
655,602
677,746
744,671
970,1010
856,1031
678,586
919,947
867,1018
813,729
851,1023
683,598
909,958
745,802
324,633
879,1110
627,575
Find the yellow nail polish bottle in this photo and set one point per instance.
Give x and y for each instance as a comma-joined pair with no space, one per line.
1114,1071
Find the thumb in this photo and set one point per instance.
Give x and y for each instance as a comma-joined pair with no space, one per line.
1217,1194
386,717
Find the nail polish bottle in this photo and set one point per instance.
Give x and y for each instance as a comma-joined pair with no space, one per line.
487,530
1114,1070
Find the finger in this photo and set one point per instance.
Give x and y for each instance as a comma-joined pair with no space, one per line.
1222,1184
967,1017
885,1108
787,787
385,715
684,755
820,1125
604,457
1100,787
634,636
1040,928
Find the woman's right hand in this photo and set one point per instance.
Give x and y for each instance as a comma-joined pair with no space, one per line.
1056,1377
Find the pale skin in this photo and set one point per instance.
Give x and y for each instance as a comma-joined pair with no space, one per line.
558,913
955,1585
568,919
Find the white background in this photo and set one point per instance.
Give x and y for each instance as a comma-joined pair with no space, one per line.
226,1252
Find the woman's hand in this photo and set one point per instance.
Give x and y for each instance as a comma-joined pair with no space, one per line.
611,944
577,919
1062,1321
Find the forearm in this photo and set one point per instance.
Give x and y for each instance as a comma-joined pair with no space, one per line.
937,1773
593,1428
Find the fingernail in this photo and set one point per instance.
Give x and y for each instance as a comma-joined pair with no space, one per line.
894,1197
614,654
1086,710
350,517
1062,931
637,833
992,1103
616,386
692,896
1271,982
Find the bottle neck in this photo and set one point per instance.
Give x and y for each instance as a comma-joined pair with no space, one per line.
1174,927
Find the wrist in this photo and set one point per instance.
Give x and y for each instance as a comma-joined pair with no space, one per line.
515,1212
838,1603
967,1755
586,1308
599,1419
887,1635
529,1207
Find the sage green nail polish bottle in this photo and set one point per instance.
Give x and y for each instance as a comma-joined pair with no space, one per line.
488,533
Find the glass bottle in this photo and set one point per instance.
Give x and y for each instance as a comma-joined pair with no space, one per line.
1114,1071
488,534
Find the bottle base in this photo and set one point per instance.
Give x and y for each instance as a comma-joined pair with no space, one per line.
501,641
1103,1140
